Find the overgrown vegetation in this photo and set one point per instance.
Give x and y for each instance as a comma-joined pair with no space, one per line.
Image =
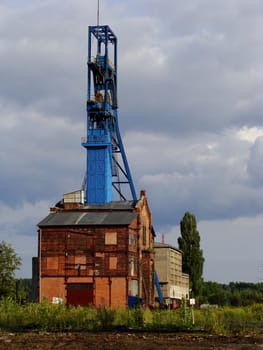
48,317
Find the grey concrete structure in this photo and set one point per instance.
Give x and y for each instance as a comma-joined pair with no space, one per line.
168,264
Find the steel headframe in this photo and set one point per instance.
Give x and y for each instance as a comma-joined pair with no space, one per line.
107,165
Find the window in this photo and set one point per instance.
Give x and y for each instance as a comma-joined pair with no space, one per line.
144,235
132,239
113,263
76,241
133,287
52,263
80,262
110,237
131,267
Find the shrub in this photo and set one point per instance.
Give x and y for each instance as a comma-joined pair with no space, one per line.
106,317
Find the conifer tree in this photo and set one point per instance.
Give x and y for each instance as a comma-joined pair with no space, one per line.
192,254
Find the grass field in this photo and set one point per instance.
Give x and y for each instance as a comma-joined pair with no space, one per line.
47,317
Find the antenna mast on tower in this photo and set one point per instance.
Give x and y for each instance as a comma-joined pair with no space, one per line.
98,13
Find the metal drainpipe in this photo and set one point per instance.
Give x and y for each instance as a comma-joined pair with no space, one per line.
138,255
127,266
110,282
94,267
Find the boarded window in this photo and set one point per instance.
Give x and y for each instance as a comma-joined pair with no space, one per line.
52,263
113,263
76,241
111,238
80,262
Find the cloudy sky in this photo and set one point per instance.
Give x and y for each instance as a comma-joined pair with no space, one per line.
190,95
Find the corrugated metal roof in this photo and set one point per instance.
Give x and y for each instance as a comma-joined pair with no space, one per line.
88,218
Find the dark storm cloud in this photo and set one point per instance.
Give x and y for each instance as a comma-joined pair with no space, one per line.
255,163
203,68
40,156
39,62
203,173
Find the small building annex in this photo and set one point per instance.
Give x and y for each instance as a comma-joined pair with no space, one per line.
99,255
173,282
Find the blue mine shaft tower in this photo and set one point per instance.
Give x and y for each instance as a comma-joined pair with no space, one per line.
107,168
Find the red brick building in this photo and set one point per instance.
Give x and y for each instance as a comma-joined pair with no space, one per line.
99,255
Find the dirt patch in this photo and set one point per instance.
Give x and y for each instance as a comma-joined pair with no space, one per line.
129,341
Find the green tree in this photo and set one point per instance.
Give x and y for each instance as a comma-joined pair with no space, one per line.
214,293
9,262
192,254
